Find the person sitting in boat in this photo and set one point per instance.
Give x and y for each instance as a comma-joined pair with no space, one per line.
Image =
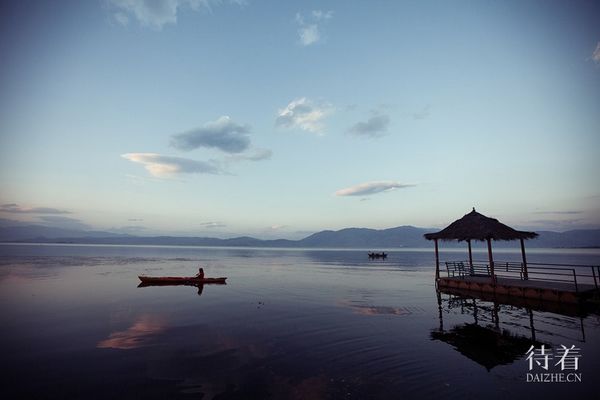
200,273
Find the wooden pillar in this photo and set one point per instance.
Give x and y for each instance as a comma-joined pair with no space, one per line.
440,314
491,259
437,261
470,254
525,275
531,324
496,315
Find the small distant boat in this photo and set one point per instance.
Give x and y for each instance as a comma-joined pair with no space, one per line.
382,255
181,280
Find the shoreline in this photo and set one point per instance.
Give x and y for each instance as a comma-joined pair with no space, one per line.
271,248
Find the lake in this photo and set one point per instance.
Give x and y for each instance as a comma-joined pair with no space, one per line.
289,324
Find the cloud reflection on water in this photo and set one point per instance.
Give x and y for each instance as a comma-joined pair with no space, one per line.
139,334
369,309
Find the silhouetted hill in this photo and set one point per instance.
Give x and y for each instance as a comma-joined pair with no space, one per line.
574,238
32,232
402,236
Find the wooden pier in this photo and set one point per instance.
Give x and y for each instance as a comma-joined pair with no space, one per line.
539,290
547,282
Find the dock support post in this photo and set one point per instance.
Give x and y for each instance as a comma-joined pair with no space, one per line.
440,316
491,259
496,315
470,254
531,324
525,275
437,261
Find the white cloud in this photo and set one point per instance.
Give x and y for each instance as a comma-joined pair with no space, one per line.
375,126
558,212
558,225
308,28
309,34
160,166
121,18
223,134
16,209
304,114
213,224
596,54
277,227
157,13
259,155
322,15
153,13
256,155
368,188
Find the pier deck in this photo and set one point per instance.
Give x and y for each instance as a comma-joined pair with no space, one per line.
566,292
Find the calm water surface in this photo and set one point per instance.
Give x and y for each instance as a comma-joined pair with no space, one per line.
290,324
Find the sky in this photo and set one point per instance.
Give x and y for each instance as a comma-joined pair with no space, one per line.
283,118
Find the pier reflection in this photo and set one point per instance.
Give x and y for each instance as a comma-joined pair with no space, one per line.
498,330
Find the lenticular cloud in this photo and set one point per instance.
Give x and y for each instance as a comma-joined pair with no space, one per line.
373,187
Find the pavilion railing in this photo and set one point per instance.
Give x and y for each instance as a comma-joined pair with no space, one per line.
577,275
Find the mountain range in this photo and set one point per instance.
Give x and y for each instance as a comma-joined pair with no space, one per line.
402,236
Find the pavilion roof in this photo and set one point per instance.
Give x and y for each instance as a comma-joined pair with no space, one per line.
476,226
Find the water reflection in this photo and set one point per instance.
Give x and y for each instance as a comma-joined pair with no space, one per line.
372,309
294,325
504,328
486,346
568,309
199,286
137,335
216,364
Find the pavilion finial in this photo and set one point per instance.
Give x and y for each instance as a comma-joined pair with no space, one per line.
473,208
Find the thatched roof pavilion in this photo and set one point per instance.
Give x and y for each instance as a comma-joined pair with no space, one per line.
476,226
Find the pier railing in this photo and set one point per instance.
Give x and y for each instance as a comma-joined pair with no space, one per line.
577,275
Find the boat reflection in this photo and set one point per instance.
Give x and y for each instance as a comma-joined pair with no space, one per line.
503,329
199,286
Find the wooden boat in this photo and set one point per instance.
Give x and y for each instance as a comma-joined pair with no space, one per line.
377,255
179,280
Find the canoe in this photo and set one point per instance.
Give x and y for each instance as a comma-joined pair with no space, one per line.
377,255
192,280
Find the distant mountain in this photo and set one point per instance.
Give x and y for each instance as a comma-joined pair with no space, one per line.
402,236
35,232
574,238
410,236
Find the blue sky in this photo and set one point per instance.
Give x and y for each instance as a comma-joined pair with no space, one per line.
278,119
